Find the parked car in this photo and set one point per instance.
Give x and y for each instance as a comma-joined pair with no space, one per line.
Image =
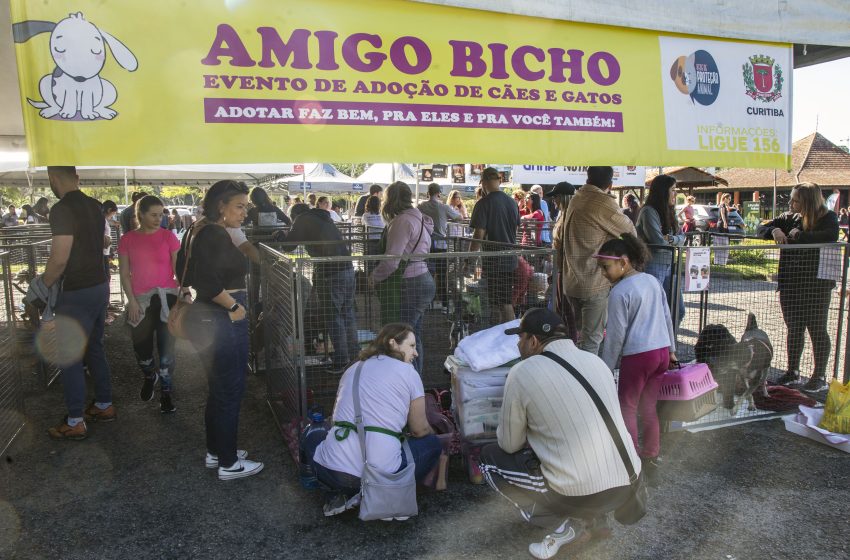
708,216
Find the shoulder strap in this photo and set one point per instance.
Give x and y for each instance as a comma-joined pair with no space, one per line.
189,235
358,412
358,419
606,416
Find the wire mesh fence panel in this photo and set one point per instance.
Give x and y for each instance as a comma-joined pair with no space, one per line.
26,261
11,395
770,313
275,340
443,295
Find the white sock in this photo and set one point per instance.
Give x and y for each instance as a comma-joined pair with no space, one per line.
74,421
103,405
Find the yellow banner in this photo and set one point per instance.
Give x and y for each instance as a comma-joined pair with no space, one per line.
253,81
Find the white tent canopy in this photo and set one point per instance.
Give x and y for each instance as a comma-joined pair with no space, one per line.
320,177
17,174
388,173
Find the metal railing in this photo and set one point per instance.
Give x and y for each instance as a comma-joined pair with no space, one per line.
744,278
27,259
11,393
300,309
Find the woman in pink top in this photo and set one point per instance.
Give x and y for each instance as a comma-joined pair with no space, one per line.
147,256
408,233
529,220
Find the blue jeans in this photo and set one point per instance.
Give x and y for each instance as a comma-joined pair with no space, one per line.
222,347
143,336
83,312
663,272
339,288
416,294
425,452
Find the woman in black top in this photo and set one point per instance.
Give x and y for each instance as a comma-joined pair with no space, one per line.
803,296
263,205
219,330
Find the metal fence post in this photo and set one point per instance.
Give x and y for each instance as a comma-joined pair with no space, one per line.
841,312
675,288
298,322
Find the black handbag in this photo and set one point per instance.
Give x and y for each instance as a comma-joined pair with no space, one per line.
634,508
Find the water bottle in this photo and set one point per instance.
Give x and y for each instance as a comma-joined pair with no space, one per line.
314,432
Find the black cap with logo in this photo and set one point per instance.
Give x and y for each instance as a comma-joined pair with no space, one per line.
538,321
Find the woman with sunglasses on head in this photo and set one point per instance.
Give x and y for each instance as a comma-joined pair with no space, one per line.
219,327
804,296
639,335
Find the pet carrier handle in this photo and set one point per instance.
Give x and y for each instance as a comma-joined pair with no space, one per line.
603,411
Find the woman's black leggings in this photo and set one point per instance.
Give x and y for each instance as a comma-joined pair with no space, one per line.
807,310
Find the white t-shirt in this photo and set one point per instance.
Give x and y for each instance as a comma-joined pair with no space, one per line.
237,236
387,386
107,232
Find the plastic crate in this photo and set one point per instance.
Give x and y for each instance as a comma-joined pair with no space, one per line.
686,383
687,411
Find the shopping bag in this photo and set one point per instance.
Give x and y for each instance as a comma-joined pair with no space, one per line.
836,412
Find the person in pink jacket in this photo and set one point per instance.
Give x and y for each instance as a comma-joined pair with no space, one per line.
408,233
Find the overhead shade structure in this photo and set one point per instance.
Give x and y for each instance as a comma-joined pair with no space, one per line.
386,173
320,177
200,175
817,28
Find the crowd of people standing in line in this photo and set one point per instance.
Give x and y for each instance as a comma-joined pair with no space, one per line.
612,270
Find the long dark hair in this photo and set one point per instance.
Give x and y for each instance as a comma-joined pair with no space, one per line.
659,199
535,202
221,192
261,199
627,246
381,344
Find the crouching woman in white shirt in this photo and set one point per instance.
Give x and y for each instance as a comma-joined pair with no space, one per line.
391,397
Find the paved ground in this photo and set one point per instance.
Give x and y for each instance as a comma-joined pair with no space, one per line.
138,489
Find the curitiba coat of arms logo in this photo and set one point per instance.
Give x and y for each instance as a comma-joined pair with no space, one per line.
763,78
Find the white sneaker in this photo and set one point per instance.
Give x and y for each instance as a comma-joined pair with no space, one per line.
240,469
550,545
212,460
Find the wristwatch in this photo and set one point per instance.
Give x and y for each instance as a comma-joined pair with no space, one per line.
234,307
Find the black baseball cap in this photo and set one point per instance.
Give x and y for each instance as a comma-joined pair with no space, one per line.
562,188
489,173
538,321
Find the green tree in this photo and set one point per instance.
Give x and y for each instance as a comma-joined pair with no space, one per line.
352,169
182,194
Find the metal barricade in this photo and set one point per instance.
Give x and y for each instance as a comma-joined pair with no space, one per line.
803,313
26,261
307,301
11,393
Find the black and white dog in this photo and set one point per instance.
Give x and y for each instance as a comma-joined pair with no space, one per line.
736,364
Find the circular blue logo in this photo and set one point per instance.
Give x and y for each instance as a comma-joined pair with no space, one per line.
702,78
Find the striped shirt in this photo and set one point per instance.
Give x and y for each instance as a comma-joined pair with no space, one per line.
544,405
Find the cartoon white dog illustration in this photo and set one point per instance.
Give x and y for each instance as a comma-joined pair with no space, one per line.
79,49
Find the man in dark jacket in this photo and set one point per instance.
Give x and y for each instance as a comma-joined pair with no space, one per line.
335,283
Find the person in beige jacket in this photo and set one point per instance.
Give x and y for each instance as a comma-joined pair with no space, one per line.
592,218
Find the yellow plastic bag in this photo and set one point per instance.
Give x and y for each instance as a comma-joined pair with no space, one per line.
836,414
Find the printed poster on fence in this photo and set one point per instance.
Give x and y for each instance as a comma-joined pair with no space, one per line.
697,269
163,82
